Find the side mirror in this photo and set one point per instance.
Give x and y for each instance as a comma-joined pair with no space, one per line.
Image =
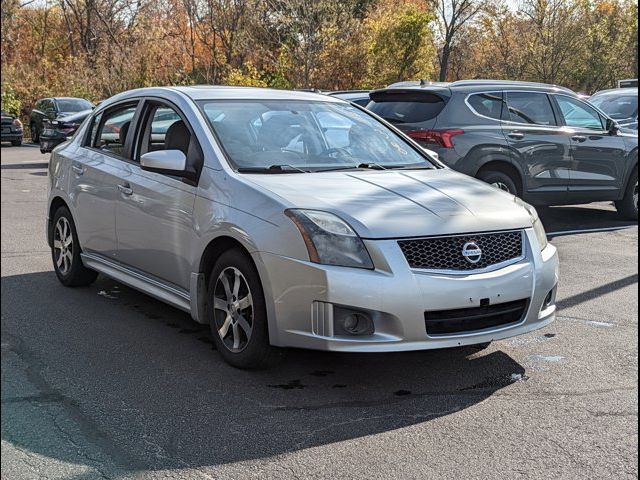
431,153
612,126
171,162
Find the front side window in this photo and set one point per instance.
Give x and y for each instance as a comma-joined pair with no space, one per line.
309,136
578,114
530,108
113,129
487,104
160,131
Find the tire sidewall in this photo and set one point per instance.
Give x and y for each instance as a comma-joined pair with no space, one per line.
495,176
76,262
256,351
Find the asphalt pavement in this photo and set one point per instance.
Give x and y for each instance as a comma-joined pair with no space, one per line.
104,382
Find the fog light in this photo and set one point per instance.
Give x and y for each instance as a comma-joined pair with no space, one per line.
550,299
356,323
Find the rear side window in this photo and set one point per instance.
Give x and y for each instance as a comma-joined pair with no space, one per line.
530,108
487,104
113,129
407,107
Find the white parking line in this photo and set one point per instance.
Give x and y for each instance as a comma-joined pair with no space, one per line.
591,230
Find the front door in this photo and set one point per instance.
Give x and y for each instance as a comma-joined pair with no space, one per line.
538,145
597,157
154,213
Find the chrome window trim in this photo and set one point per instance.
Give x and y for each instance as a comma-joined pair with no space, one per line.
509,122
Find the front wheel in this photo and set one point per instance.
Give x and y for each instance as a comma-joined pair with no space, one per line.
237,312
628,206
16,143
35,134
65,251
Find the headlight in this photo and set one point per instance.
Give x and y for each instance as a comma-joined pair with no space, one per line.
330,240
538,228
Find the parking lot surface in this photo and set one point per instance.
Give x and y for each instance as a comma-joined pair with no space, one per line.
105,382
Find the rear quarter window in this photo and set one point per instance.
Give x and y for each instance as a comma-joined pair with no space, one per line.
487,104
407,107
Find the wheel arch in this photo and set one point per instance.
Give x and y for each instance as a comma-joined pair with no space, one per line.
55,203
504,167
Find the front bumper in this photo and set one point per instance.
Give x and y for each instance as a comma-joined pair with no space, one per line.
302,297
11,136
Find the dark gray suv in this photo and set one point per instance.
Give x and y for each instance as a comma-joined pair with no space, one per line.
539,142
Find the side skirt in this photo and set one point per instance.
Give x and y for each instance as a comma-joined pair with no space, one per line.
173,296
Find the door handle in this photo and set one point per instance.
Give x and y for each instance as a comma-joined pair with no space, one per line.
516,135
125,189
77,169
579,138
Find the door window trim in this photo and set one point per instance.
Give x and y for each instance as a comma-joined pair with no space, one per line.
475,112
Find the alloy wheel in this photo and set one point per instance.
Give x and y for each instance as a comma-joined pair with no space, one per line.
233,309
63,246
502,186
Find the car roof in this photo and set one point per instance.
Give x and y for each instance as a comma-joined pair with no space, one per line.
350,95
618,91
470,86
219,92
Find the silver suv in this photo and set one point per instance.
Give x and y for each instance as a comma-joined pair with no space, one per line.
290,219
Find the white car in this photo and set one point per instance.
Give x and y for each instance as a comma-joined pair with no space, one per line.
292,219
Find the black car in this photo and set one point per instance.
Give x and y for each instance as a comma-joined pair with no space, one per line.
359,97
57,131
11,129
52,109
536,141
621,104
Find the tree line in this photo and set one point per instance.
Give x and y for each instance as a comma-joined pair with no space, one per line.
96,48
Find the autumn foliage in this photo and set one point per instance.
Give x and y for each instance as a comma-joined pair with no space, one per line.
96,48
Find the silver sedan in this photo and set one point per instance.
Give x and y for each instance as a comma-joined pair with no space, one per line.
290,219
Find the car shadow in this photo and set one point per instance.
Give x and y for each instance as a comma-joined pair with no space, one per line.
144,382
582,217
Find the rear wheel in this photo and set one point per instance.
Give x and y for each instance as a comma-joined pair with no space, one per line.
35,133
237,312
65,252
501,180
628,206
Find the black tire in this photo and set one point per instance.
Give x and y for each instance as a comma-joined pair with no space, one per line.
35,133
502,180
254,351
76,275
628,206
16,143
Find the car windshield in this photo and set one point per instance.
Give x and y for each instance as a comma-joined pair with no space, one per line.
73,104
296,136
617,107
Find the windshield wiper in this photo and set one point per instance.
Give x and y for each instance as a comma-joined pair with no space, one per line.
283,168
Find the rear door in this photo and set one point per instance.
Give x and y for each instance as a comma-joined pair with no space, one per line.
95,172
154,213
598,158
538,145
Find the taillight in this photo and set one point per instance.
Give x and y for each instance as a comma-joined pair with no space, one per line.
17,123
443,138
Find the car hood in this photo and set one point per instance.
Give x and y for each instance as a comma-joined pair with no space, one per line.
399,204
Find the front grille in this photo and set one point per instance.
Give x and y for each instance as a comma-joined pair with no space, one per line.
446,253
466,320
